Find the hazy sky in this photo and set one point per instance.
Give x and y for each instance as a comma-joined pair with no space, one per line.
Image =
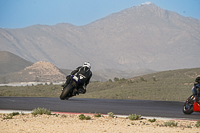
23,13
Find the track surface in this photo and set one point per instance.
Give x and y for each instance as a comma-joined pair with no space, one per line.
165,109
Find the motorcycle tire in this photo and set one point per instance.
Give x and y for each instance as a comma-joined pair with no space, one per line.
188,106
65,92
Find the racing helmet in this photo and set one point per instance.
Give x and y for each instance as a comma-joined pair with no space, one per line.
197,80
87,64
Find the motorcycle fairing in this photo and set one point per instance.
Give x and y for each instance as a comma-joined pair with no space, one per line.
196,106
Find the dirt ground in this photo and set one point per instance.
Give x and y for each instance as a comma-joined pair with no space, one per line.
67,123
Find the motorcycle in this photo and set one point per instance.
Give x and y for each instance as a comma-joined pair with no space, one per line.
70,89
192,104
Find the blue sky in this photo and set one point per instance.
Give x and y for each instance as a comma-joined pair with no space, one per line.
23,13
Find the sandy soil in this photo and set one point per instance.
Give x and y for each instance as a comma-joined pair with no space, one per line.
63,123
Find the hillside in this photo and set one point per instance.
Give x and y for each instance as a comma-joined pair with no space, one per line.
38,72
11,63
141,37
174,85
106,74
163,86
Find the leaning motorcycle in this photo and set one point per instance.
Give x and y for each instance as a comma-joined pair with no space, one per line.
70,89
192,104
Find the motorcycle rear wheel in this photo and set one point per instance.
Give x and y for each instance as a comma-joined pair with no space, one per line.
65,92
188,106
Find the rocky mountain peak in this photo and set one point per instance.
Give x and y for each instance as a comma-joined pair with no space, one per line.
45,71
45,67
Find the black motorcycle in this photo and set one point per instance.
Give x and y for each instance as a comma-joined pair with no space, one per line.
70,89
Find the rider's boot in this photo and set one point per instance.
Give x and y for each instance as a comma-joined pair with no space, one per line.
80,90
75,92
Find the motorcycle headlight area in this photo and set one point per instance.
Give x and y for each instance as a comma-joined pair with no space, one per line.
75,78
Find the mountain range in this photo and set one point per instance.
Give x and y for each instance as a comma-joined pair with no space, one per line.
140,38
11,63
14,69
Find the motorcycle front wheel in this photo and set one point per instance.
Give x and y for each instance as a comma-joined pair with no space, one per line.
66,91
188,106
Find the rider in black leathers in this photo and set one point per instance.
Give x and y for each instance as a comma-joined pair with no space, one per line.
84,74
196,86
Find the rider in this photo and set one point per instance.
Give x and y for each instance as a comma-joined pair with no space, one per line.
84,74
197,85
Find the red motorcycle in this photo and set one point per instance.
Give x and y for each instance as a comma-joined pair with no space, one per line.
192,104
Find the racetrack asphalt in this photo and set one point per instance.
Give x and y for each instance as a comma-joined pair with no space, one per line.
146,108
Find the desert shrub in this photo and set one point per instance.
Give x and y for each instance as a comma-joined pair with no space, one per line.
110,114
87,117
134,117
22,113
64,116
41,111
97,115
170,123
197,124
142,79
122,81
116,79
83,117
152,120
15,113
8,116
154,78
110,80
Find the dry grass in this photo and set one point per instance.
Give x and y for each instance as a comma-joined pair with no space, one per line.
73,123
163,86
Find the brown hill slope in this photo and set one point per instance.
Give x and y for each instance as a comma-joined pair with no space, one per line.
144,36
11,63
38,72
